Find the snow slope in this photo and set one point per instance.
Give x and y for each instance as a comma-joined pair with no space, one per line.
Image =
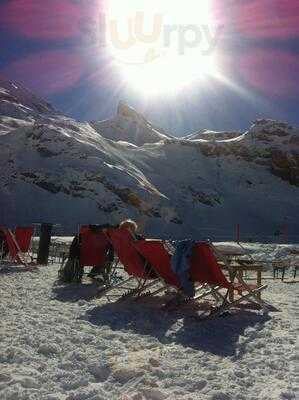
17,101
204,134
58,344
56,169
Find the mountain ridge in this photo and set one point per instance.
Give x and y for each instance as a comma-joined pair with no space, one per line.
56,169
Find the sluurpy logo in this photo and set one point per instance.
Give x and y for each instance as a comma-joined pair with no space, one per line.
139,39
157,47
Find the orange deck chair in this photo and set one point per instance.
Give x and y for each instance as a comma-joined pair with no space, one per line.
141,275
148,262
94,249
19,245
205,272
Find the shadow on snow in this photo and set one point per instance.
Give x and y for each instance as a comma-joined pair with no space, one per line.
70,293
219,336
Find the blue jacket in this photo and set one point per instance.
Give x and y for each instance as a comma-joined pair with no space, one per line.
180,265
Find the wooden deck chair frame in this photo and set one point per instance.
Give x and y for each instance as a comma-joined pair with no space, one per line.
239,285
131,288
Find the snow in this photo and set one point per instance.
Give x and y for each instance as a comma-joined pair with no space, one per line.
261,252
200,186
16,100
60,343
172,179
202,139
211,135
127,144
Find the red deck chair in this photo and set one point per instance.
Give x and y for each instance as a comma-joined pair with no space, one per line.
141,275
23,237
204,270
95,252
19,245
209,277
93,247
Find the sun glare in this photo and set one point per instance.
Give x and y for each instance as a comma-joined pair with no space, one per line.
161,47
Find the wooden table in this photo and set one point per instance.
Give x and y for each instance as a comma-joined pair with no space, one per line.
238,266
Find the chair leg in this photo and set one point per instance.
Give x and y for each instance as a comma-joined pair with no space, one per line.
283,273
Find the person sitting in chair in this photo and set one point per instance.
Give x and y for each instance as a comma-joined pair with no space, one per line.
132,227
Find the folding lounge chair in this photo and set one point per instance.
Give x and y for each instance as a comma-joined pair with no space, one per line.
19,245
141,275
245,291
145,272
205,272
94,251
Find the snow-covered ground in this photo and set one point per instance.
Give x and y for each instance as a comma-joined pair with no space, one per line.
264,253
57,343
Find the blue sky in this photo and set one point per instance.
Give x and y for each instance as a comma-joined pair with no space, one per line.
43,45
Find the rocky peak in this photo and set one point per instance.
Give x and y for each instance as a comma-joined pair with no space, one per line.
17,101
125,111
129,126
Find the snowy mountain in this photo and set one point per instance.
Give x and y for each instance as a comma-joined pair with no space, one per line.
17,101
56,169
211,135
129,126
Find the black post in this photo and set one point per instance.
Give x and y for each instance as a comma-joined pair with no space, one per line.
44,244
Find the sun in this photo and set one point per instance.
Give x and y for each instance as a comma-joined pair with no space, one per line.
161,47
168,75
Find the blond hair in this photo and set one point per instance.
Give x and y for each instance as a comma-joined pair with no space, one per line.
129,224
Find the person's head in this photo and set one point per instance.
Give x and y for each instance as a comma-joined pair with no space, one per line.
129,225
